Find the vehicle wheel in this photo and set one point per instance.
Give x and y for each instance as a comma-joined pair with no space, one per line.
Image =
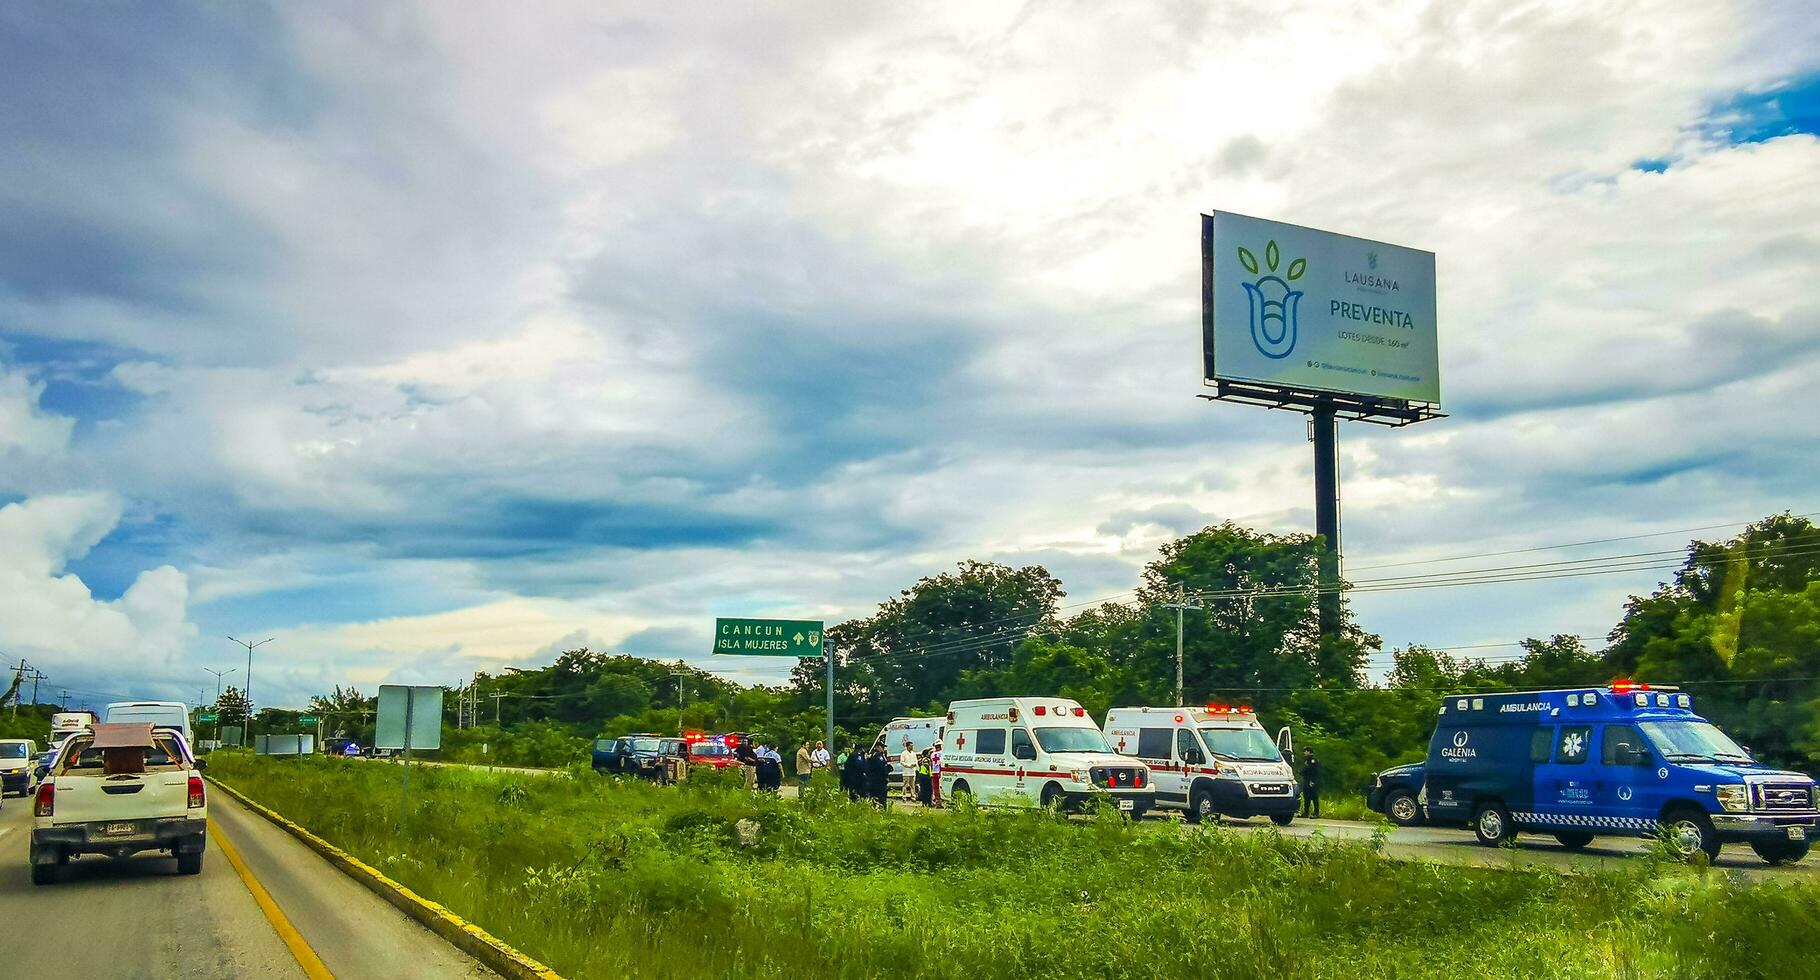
44,874
1780,851
1688,830
1492,825
1200,805
1282,819
960,792
189,864
1402,809
1573,840
1051,796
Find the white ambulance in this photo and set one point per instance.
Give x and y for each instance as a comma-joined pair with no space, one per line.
1208,761
920,732
1036,752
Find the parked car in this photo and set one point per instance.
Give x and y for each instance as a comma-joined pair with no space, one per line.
119,790
1397,794
629,755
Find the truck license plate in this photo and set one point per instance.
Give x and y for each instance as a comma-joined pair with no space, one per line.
1125,804
114,829
1797,833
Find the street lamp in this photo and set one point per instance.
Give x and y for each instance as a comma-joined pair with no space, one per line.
218,675
247,732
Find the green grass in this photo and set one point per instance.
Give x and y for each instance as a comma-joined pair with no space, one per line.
603,878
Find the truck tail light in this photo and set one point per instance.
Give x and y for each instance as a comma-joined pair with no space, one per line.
195,793
47,797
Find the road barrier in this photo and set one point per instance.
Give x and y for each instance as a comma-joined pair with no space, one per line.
464,935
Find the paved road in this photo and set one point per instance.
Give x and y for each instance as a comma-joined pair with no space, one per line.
138,918
1454,846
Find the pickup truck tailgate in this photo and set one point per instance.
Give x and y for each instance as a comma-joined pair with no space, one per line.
128,796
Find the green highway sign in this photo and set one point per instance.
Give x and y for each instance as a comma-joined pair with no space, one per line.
307,720
768,637
207,716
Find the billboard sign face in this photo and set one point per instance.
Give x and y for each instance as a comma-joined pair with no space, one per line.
1299,308
768,637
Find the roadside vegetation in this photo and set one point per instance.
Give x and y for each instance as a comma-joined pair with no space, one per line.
1734,625
614,878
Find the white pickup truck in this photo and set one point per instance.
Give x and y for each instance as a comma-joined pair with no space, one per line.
119,790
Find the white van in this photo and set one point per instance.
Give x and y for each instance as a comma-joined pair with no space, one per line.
1208,761
160,714
922,733
67,723
1036,752
18,756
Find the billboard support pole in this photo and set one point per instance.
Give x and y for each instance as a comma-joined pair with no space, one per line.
1327,516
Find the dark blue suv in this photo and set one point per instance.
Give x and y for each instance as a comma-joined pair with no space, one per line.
1626,760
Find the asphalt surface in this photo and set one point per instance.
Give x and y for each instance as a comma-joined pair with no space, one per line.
138,918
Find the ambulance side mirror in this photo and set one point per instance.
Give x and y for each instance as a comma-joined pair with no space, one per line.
1194,757
1026,752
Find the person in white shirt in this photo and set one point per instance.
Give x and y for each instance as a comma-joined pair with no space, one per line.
820,758
906,760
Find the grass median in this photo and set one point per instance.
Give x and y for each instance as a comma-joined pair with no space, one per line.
609,878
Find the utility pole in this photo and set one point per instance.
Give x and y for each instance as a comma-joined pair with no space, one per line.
63,702
679,675
496,697
246,734
1181,605
37,675
18,677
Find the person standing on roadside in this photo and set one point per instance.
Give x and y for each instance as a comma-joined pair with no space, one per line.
748,760
805,764
878,778
922,778
818,759
840,766
935,774
853,774
1311,787
906,760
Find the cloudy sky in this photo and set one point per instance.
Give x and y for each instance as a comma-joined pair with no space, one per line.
433,338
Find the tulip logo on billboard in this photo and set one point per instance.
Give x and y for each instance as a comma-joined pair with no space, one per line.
1273,301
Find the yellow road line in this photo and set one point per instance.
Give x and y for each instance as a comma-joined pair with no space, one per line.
293,940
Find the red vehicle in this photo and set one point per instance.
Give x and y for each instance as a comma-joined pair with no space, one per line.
710,750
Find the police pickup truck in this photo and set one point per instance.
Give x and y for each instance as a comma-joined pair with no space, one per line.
1627,759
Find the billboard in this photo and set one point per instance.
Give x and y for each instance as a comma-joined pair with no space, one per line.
1294,307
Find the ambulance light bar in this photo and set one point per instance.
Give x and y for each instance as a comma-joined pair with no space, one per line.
1226,709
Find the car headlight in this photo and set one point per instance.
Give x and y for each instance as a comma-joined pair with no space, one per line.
1734,797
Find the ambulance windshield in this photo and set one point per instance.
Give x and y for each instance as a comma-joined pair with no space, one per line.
1241,744
1072,740
1690,741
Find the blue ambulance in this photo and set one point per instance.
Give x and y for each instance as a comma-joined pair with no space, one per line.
1627,759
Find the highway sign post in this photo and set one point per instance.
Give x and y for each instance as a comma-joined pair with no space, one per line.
410,717
778,638
1331,325
204,717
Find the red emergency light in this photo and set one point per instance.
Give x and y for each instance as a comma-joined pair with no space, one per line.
1039,711
1078,712
1627,686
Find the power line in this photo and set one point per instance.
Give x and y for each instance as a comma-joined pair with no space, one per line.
1560,547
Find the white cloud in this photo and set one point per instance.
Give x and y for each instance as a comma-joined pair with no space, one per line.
51,617
26,430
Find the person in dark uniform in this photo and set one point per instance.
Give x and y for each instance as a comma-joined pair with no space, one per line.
878,778
1311,787
853,775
